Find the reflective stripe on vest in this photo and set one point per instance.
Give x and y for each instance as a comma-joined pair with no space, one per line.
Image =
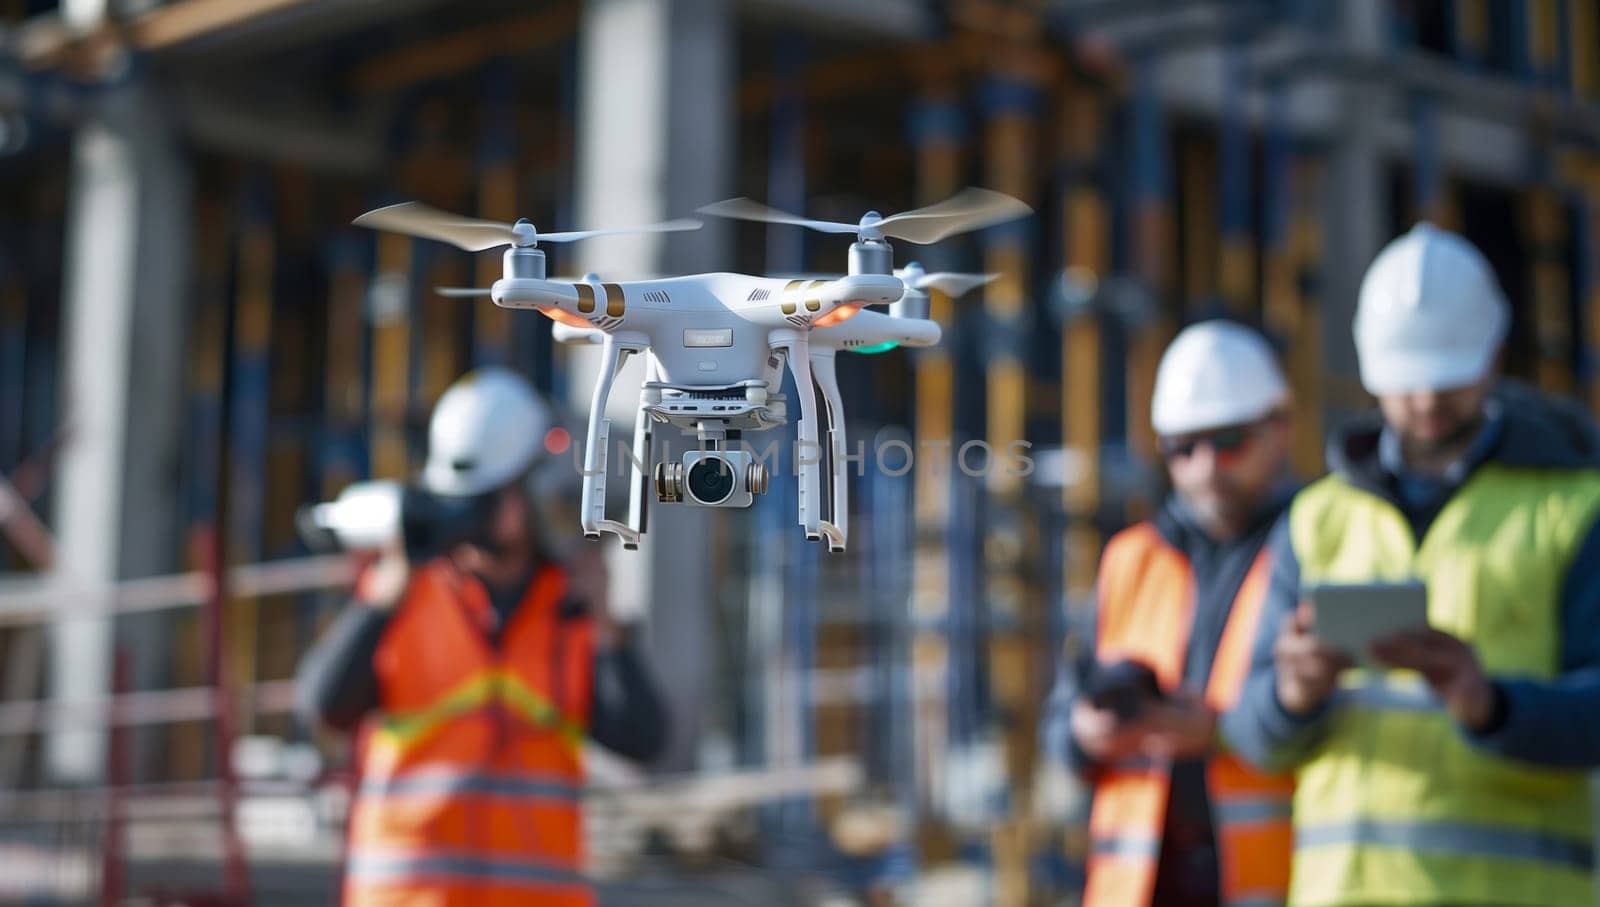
462,880
1145,598
471,776
399,867
447,782
493,686
1452,838
1127,847
1251,810
1395,805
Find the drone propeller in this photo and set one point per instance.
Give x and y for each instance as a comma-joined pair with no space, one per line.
950,283
969,209
476,235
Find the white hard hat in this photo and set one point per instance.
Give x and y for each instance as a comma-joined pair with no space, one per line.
487,429
1430,316
1213,374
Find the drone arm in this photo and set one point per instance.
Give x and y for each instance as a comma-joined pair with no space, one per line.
837,526
919,332
873,329
596,446
554,299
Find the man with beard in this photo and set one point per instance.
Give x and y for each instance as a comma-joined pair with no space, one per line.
1177,819
1456,772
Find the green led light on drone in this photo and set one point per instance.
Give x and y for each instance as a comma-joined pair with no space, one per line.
878,347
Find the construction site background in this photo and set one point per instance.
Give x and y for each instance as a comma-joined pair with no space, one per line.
194,341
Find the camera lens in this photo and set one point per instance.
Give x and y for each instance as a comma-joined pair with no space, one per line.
711,480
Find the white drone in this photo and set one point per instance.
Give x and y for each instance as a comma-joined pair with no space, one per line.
716,345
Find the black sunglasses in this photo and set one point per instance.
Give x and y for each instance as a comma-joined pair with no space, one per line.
1223,441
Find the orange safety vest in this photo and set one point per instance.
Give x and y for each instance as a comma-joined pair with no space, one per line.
1146,608
471,773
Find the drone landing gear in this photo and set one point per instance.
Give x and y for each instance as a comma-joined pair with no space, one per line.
643,439
809,453
596,454
836,528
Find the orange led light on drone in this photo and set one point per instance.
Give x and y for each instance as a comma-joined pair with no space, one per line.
844,312
567,318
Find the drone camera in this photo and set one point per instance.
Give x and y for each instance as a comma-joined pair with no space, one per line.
712,478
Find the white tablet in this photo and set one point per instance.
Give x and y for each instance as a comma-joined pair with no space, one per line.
1351,616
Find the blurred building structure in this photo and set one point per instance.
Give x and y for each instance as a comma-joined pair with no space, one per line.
193,340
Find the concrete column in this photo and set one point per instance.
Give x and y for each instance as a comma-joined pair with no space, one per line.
655,131
1355,206
116,511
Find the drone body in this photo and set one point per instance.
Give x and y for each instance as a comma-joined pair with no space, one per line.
711,339
705,327
716,346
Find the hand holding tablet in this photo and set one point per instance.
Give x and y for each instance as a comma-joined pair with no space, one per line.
1351,617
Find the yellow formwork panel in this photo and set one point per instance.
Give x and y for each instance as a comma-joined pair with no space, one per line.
1544,34
344,396
391,357
1583,24
1472,27
1197,169
940,159
1549,287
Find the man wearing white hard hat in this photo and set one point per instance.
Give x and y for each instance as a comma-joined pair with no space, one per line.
473,676
1177,819
1454,769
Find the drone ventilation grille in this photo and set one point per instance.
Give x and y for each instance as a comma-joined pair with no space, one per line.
657,296
759,295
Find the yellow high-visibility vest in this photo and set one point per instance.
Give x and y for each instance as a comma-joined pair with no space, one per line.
1395,805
